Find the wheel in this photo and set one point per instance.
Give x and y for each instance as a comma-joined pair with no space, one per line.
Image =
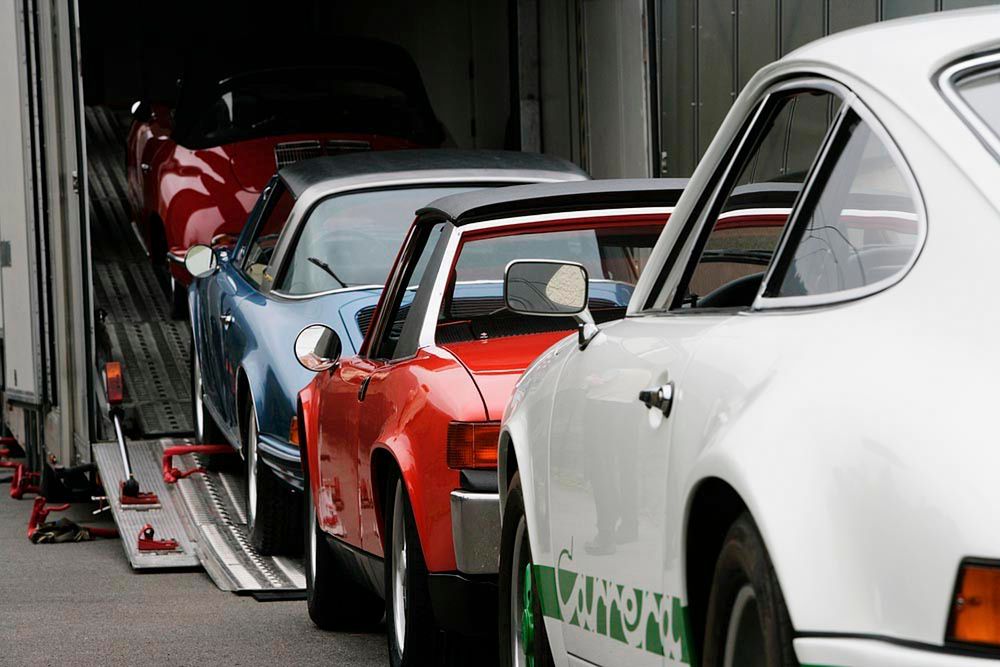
523,641
271,505
408,616
334,599
748,623
206,431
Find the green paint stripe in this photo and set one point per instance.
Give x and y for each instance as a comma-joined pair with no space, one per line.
609,621
545,585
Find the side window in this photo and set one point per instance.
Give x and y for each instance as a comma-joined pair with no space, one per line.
406,292
859,225
265,237
749,221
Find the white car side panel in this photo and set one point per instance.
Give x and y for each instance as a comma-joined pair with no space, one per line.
871,653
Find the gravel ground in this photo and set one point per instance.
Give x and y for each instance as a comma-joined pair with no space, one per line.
81,604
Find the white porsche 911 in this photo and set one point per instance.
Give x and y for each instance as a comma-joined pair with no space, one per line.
786,453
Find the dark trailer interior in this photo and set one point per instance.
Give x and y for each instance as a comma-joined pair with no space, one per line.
142,51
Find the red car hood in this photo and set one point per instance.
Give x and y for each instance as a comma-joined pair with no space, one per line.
253,161
496,364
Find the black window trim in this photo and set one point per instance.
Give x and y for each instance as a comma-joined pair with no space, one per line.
710,207
277,187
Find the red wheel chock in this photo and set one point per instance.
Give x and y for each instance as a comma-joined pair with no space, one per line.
172,474
148,541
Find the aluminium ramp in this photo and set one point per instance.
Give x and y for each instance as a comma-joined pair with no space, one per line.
214,504
145,456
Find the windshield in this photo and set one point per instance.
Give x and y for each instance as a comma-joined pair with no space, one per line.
350,240
981,91
313,100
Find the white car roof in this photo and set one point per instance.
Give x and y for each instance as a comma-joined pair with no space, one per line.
902,52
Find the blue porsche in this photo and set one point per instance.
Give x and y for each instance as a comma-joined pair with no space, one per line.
316,248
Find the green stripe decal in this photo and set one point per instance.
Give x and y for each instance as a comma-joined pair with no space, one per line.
648,621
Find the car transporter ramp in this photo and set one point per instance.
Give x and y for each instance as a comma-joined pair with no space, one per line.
199,519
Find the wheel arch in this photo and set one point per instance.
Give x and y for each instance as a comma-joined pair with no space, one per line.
713,507
383,463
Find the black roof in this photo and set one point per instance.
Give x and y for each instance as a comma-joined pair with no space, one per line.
493,203
400,165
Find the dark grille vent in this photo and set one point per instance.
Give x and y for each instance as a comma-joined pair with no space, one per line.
364,318
291,152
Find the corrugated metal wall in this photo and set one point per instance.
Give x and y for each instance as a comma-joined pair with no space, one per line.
708,49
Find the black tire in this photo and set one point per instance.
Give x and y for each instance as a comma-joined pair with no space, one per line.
334,599
272,506
744,578
515,555
177,298
419,633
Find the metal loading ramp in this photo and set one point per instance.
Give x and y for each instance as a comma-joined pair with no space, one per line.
205,513
214,504
165,518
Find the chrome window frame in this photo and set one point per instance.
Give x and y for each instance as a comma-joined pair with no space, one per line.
851,103
947,83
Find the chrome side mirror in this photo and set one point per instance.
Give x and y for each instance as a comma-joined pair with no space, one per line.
550,288
545,287
318,348
200,260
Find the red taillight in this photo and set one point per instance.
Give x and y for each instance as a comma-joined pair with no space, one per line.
473,445
113,382
293,431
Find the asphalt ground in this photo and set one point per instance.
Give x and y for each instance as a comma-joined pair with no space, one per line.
81,604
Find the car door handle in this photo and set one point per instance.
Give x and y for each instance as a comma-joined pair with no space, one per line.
661,398
226,318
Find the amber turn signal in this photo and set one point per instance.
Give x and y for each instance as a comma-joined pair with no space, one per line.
975,611
473,445
113,383
293,431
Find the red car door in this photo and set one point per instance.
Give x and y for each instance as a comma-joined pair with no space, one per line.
339,416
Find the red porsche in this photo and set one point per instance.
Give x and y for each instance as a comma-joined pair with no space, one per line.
194,172
400,440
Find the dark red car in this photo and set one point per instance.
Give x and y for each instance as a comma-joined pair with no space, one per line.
400,440
194,172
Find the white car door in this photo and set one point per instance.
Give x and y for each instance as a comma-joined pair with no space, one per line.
607,493
617,518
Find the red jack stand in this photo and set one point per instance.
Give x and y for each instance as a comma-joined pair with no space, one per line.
23,481
148,543
172,474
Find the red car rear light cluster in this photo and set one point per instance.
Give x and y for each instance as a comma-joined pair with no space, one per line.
473,445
